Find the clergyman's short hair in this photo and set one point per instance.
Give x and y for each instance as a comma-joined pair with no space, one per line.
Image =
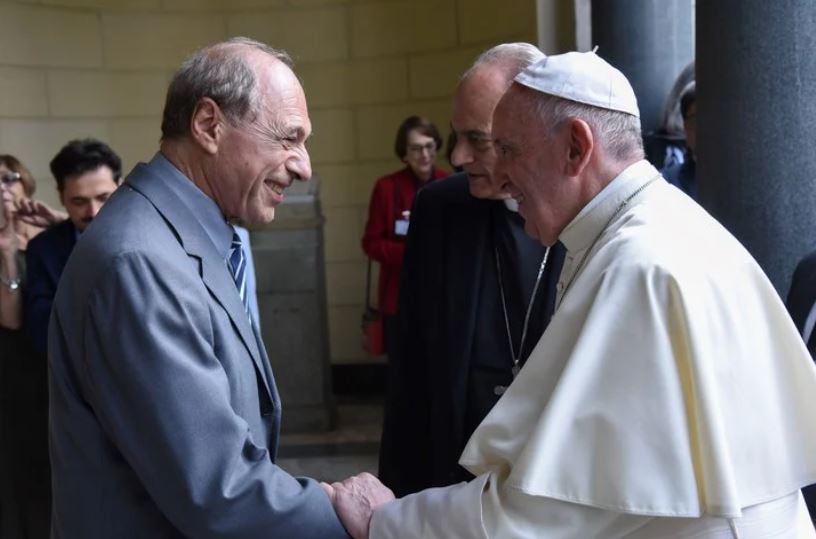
81,156
222,73
511,56
423,126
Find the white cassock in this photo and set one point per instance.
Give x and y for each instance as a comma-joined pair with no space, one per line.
670,396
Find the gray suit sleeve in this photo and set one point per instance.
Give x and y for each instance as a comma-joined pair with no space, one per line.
163,398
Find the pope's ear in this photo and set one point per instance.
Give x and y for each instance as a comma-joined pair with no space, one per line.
206,125
580,144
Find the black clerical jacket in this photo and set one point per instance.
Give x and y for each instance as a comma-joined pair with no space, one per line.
802,294
448,246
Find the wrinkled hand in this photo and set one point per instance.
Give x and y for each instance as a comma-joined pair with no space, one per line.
38,213
355,499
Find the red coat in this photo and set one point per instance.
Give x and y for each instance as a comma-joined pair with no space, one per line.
392,195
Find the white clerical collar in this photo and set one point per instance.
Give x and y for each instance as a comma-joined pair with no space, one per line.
586,226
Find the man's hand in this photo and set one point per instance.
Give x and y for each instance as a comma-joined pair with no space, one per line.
355,499
38,213
329,490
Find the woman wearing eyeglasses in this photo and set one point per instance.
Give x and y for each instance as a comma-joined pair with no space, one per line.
21,218
416,145
22,374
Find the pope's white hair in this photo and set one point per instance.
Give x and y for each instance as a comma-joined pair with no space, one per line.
617,132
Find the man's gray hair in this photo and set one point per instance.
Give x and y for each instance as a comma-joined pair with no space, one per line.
222,73
510,56
617,132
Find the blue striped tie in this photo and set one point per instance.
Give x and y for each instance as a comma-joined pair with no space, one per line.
237,262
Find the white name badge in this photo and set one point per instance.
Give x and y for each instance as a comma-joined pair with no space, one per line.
401,227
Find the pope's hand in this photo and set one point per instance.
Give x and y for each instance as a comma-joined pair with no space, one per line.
355,499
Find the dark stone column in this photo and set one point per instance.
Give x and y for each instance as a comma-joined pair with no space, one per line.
650,41
756,81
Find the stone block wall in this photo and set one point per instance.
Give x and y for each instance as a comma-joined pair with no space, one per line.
75,68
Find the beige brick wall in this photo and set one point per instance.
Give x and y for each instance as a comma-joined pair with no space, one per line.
73,68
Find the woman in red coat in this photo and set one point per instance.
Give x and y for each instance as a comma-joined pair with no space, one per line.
416,145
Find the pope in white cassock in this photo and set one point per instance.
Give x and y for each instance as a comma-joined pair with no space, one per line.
670,396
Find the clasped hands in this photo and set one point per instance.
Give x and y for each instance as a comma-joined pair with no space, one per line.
355,499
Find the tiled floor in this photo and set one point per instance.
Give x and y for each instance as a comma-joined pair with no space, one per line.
350,448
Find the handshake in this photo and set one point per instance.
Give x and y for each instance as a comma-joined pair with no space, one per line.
355,499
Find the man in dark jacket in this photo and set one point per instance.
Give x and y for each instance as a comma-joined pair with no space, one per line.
801,305
87,173
477,293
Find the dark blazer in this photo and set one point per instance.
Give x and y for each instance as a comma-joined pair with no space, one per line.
164,412
802,294
447,248
801,298
46,256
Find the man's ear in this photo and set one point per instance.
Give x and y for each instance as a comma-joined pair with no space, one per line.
580,145
206,125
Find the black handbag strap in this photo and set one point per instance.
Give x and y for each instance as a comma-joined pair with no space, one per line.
368,286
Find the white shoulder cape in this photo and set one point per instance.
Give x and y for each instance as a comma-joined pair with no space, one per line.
670,382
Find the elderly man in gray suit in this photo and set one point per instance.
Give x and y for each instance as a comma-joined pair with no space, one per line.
164,412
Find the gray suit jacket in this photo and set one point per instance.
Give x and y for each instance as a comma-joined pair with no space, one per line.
164,416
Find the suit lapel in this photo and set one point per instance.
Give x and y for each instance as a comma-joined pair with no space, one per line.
213,267
219,282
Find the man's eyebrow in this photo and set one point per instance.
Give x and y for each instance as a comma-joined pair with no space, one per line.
476,133
505,145
296,132
468,132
